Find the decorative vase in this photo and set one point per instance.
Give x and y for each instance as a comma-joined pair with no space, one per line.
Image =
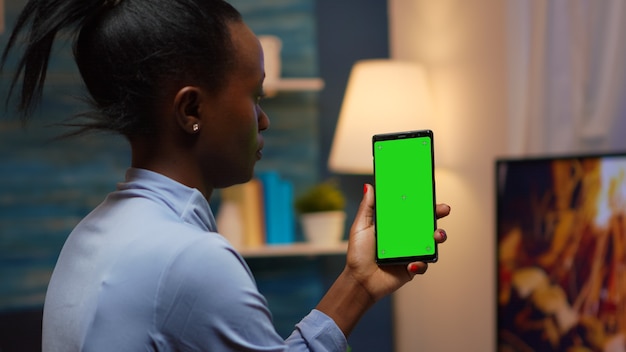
323,228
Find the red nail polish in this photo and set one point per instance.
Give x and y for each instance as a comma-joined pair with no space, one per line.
364,188
413,268
444,235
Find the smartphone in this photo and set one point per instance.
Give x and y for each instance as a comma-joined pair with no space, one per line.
404,189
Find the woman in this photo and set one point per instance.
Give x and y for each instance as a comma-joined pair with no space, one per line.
147,270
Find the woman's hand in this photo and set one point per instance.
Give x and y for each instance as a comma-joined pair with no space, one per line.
380,281
362,281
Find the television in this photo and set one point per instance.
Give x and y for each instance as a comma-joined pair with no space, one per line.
561,253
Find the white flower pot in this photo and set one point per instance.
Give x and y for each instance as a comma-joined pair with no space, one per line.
324,228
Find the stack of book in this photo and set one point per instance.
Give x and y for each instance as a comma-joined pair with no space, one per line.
259,212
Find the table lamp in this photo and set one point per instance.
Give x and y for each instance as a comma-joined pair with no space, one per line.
382,96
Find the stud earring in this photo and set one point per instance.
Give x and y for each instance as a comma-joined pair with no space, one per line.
195,127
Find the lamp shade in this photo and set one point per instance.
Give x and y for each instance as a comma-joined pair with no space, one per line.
382,96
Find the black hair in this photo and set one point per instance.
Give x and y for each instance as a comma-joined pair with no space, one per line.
126,51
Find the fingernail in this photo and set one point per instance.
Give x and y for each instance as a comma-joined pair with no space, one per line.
413,268
444,235
364,188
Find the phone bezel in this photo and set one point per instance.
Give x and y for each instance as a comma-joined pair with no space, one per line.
431,258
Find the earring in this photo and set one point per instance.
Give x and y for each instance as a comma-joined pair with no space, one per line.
195,127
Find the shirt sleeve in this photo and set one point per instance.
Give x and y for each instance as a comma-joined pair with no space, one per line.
208,300
317,332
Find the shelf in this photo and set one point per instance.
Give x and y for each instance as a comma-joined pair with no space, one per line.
294,250
271,87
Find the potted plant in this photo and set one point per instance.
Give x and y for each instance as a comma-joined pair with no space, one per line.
322,214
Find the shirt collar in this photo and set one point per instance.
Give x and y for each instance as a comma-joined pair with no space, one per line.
188,203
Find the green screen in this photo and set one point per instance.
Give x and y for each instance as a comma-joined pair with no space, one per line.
404,197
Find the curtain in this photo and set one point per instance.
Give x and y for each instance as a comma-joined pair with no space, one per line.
566,74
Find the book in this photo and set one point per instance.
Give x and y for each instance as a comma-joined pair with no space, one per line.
242,217
278,205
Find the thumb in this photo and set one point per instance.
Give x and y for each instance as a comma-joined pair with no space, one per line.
365,214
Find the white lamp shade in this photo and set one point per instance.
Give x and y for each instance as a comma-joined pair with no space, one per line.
382,96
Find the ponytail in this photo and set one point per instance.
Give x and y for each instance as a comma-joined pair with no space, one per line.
126,52
46,18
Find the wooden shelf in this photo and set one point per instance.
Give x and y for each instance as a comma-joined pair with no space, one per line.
294,250
272,87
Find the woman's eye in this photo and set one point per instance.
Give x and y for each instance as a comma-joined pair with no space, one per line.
259,98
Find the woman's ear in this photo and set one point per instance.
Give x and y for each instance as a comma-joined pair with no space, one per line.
187,109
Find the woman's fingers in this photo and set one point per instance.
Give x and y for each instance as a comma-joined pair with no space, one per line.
442,210
417,268
441,236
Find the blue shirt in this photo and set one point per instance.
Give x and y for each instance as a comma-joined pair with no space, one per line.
146,271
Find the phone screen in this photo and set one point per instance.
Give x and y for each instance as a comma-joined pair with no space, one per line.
405,198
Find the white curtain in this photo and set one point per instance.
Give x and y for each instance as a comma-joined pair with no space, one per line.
567,78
